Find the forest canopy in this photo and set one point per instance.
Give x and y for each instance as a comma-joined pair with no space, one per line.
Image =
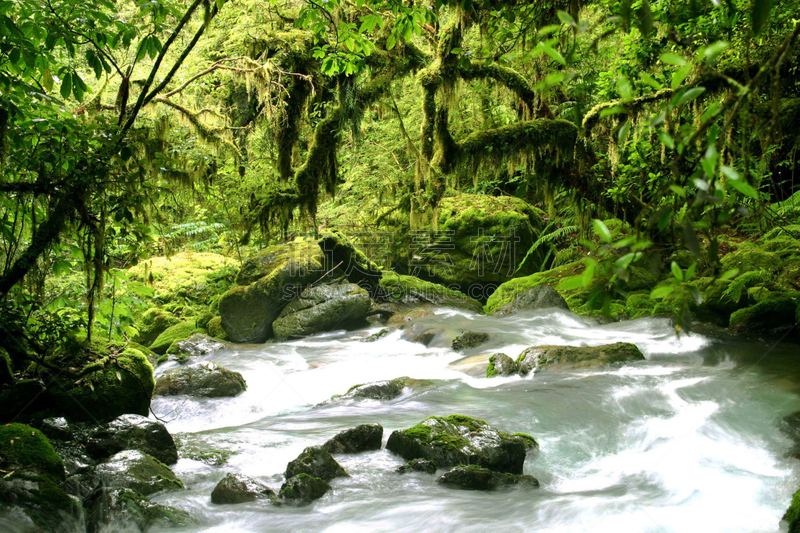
645,134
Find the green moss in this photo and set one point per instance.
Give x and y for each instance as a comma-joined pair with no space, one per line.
121,384
400,288
179,332
22,446
215,328
530,442
792,515
187,277
152,323
504,295
776,314
491,371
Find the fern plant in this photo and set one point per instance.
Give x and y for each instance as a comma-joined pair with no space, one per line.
549,238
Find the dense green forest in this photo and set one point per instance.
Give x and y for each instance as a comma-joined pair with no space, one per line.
161,163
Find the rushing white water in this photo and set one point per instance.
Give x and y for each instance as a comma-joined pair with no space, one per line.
684,441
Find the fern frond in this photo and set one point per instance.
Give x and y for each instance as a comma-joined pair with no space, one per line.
738,285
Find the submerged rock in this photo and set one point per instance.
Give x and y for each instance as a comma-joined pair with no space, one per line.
459,440
378,390
302,489
363,438
469,339
315,461
206,379
137,471
132,432
236,488
529,298
323,308
501,365
474,477
536,357
112,510
417,465
401,320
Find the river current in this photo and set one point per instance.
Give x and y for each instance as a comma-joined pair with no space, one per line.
685,441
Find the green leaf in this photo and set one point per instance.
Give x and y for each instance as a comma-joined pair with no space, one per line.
666,138
649,80
566,18
676,271
744,188
66,85
709,53
570,283
661,292
624,88
602,230
680,75
760,14
553,53
672,59
729,274
690,95
391,41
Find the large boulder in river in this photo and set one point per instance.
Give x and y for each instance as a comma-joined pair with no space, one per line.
302,489
236,488
480,242
501,365
460,440
247,312
315,461
323,308
365,437
132,432
206,379
529,298
137,471
537,357
474,477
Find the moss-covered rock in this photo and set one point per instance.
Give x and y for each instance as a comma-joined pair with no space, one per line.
25,448
474,477
480,243
505,295
114,385
215,329
774,316
152,323
131,432
528,298
501,365
536,357
303,489
792,515
378,390
317,462
354,263
207,379
363,438
237,488
409,289
417,465
247,313
29,486
265,261
469,339
123,509
323,308
178,332
137,471
459,440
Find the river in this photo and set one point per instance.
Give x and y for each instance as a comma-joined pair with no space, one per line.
687,440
